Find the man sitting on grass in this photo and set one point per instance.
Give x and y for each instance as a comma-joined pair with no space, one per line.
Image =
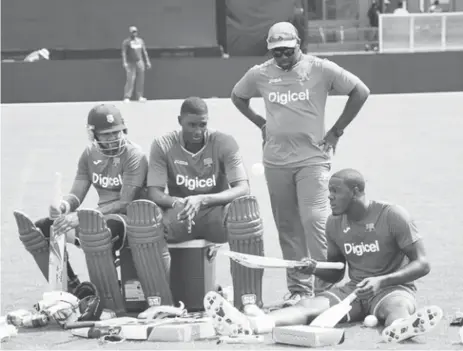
385,254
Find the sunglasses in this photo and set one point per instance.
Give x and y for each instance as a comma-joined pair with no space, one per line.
279,52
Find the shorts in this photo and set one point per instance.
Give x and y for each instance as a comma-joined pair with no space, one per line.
362,308
209,224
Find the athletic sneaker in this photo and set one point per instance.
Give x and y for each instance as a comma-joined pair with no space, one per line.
142,99
126,100
294,297
422,321
226,319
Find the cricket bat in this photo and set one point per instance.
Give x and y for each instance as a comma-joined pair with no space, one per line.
253,261
113,322
333,315
57,264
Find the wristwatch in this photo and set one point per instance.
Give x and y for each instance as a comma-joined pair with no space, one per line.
338,132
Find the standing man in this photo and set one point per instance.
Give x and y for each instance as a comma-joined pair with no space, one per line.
373,17
134,58
297,151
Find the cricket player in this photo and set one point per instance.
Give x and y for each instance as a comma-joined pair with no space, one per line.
196,176
385,255
117,170
297,151
135,59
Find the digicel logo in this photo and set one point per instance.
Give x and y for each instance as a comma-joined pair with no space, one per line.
360,249
106,182
193,183
284,98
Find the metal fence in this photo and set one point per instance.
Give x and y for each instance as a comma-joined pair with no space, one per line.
421,32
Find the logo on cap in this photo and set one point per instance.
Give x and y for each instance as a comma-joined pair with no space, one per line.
281,37
110,118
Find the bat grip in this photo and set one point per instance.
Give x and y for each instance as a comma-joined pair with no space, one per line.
330,265
76,325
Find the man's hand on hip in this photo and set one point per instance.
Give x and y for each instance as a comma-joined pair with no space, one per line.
329,142
263,130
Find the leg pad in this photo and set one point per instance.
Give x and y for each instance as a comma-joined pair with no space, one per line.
150,254
245,230
96,242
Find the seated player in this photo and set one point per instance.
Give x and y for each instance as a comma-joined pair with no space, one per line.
380,244
117,169
207,198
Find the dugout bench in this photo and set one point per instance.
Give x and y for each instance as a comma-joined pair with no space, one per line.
192,275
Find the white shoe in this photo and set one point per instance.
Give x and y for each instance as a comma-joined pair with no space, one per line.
252,310
422,321
226,319
142,99
126,100
161,312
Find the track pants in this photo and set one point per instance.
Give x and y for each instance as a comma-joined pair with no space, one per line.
135,78
300,206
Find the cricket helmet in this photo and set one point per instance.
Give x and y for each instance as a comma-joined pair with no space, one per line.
107,119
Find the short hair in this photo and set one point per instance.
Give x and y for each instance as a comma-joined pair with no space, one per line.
194,105
352,178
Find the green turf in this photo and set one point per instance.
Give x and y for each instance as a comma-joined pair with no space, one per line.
408,147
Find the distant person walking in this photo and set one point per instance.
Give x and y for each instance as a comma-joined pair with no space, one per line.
135,59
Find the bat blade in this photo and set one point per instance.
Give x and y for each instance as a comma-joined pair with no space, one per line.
335,314
253,261
57,265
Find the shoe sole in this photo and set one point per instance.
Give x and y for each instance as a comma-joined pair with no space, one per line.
226,319
421,322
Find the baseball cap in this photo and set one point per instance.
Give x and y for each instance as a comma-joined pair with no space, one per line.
282,35
133,29
105,118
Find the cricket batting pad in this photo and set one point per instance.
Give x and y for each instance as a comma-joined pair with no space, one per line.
95,239
245,232
34,241
149,249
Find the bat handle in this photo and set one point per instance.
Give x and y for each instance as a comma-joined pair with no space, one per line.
76,325
351,298
330,265
56,198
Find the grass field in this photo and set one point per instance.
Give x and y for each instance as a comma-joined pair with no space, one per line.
407,146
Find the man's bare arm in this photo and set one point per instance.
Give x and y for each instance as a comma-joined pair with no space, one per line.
332,275
145,54
128,194
418,267
236,190
243,105
76,196
124,54
357,98
160,198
